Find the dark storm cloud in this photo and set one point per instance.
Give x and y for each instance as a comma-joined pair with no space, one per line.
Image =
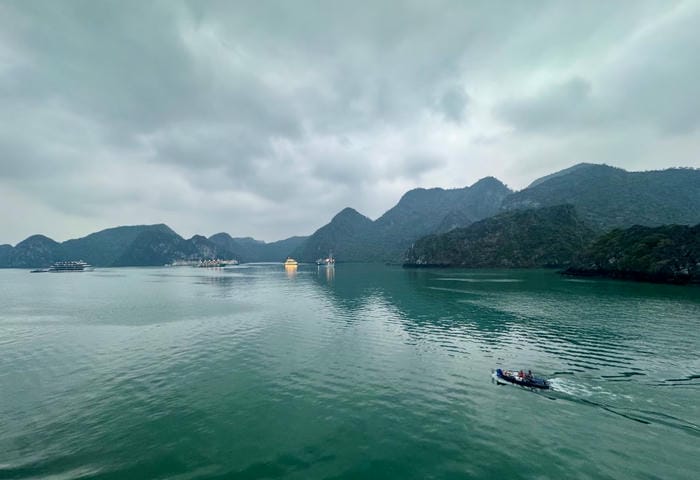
264,117
453,104
650,80
561,106
116,62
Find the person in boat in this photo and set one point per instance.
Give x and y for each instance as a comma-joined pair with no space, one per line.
521,374
529,375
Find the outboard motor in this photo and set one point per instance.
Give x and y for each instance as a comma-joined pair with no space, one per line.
499,372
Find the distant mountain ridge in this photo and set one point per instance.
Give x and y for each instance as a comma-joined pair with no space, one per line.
603,197
565,171
137,245
250,250
354,237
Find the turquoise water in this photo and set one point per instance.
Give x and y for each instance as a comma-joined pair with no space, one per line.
360,371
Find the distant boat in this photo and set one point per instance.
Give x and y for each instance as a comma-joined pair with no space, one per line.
216,263
326,262
209,263
69,266
290,262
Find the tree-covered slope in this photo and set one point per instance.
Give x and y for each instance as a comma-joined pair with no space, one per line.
105,247
421,212
155,247
161,246
545,237
347,236
607,197
5,252
670,253
34,251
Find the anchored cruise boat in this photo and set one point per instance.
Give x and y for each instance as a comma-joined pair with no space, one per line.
65,266
69,266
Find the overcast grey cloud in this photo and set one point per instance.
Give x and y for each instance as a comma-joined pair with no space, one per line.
267,118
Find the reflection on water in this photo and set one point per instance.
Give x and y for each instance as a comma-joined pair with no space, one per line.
376,372
291,271
326,271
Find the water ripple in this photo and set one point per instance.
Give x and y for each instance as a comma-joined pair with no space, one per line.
374,372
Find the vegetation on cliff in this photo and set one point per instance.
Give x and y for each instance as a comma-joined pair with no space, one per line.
606,197
545,237
354,237
669,254
346,236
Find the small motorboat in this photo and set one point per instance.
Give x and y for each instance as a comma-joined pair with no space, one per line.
521,378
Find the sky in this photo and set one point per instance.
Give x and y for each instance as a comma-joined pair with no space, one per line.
265,119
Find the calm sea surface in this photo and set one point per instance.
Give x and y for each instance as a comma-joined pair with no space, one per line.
360,371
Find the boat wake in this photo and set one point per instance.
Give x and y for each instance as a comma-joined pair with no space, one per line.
596,396
576,389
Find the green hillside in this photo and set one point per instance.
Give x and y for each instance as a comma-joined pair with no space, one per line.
346,236
105,247
670,253
607,197
546,237
34,251
354,237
